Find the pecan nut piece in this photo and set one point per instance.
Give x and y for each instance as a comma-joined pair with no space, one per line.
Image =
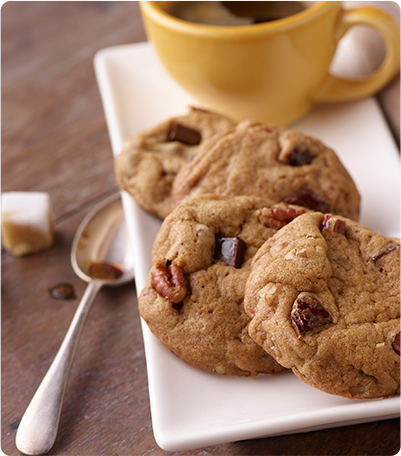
169,282
307,314
390,248
278,217
333,224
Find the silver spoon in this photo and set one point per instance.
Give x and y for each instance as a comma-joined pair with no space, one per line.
100,255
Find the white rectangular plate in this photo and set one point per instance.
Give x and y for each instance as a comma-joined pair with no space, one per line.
192,408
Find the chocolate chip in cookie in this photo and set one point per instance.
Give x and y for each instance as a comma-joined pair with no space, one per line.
300,156
186,135
231,250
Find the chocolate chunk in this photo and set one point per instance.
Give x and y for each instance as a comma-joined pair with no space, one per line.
231,250
300,156
184,134
396,344
178,306
307,198
386,251
308,314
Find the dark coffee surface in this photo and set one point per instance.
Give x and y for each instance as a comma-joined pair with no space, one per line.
234,13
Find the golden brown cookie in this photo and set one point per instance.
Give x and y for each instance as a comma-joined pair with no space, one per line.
150,160
274,163
324,298
193,297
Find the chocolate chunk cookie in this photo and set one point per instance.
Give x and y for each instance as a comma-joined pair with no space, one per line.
271,162
150,160
324,298
193,298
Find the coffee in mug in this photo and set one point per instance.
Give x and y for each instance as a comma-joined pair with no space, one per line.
235,13
273,69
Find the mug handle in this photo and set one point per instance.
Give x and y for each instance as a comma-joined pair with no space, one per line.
340,89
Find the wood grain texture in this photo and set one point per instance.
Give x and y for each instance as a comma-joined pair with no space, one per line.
54,139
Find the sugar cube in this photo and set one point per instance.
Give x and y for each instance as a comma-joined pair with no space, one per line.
27,223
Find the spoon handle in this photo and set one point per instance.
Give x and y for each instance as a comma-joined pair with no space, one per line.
38,428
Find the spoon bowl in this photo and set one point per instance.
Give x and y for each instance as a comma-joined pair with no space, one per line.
102,240
100,255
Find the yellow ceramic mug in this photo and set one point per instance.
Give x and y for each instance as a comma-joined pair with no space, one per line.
273,71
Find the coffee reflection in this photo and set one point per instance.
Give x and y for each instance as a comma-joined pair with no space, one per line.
235,13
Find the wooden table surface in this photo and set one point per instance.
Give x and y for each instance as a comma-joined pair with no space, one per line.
54,139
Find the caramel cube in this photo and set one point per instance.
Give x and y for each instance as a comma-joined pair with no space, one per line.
27,224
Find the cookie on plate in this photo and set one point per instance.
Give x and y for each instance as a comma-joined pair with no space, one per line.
324,298
193,297
150,160
274,163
